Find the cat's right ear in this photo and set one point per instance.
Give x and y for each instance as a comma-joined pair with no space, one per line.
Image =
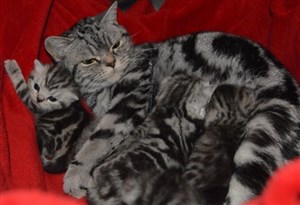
39,67
55,45
110,16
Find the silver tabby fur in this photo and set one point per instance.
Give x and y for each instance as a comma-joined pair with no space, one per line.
161,143
210,165
205,175
53,97
117,82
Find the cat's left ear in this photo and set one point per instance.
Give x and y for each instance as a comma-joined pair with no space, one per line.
55,45
110,16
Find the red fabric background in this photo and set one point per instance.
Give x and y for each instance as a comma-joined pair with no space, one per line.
25,24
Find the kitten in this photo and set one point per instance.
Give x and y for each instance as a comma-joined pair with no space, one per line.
52,96
110,73
210,164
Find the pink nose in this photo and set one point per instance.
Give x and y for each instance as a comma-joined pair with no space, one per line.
48,157
40,98
110,60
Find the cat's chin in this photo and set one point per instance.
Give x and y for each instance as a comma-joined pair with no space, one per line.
55,166
115,77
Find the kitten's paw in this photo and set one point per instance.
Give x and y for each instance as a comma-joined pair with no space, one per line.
76,181
11,66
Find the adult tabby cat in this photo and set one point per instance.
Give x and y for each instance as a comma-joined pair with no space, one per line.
53,97
109,69
208,170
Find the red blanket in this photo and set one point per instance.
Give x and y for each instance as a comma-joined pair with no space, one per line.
25,24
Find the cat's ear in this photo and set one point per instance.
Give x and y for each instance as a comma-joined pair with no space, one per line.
55,46
39,67
110,15
71,96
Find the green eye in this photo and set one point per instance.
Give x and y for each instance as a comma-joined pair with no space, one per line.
89,61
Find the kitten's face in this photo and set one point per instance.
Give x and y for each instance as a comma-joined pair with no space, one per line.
55,152
47,92
97,52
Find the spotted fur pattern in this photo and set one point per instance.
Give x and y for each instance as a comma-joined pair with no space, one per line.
101,49
53,97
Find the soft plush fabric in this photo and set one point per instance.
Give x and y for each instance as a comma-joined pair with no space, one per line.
35,197
25,24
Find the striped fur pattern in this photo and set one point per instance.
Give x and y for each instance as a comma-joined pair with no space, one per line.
208,170
53,97
115,79
270,138
161,143
158,187
210,164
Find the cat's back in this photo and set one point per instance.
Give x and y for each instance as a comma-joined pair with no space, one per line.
221,57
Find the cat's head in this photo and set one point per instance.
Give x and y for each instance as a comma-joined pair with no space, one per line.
51,88
230,105
97,50
55,151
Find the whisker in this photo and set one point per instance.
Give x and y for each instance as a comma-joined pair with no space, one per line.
133,35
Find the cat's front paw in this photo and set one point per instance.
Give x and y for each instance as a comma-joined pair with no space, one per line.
76,181
11,66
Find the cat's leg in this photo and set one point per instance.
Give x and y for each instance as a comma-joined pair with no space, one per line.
78,176
15,74
271,138
124,116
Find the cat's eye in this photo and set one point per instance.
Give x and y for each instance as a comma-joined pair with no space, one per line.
51,98
89,61
36,87
116,45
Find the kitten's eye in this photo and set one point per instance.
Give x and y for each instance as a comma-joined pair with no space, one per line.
89,61
52,99
116,45
36,87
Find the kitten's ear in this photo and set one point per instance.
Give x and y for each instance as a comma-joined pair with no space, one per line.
55,46
111,14
39,67
71,96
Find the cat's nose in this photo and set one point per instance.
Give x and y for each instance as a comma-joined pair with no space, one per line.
48,157
40,98
109,60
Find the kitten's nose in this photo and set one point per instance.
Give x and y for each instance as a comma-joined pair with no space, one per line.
110,60
48,157
40,98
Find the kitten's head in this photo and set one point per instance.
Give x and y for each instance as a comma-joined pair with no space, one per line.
56,151
51,88
230,105
96,50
